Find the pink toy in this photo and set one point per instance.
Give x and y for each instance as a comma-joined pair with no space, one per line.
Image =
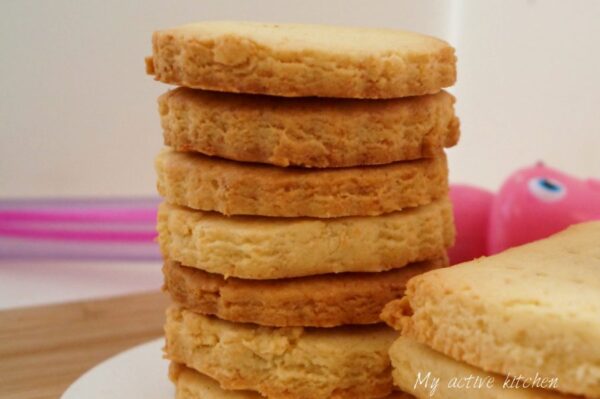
532,204
472,207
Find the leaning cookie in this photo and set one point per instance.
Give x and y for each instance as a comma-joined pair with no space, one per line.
327,300
232,188
309,132
252,247
290,363
532,311
190,384
301,60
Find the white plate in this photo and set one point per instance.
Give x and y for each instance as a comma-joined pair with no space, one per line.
140,372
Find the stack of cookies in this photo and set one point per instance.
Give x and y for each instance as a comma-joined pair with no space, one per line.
305,182
523,324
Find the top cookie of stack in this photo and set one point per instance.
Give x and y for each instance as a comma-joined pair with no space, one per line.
302,60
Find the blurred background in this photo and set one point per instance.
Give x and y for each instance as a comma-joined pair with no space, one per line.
78,115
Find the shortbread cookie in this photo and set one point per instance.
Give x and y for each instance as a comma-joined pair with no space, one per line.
326,300
267,248
232,188
301,60
532,310
308,132
286,363
428,374
191,384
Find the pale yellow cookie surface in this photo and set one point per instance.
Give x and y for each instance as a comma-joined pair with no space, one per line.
428,374
343,362
308,132
269,248
234,188
531,309
301,60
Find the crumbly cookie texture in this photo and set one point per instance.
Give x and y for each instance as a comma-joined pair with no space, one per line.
190,384
301,60
327,300
344,362
270,248
309,132
413,362
232,188
531,309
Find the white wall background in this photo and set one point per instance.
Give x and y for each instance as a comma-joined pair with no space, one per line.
78,114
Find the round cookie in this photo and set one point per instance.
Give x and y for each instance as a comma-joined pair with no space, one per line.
301,60
253,247
232,188
190,384
290,363
327,300
309,132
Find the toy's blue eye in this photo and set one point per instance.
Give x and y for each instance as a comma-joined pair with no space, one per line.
546,190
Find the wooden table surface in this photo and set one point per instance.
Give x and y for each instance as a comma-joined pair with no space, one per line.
44,349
